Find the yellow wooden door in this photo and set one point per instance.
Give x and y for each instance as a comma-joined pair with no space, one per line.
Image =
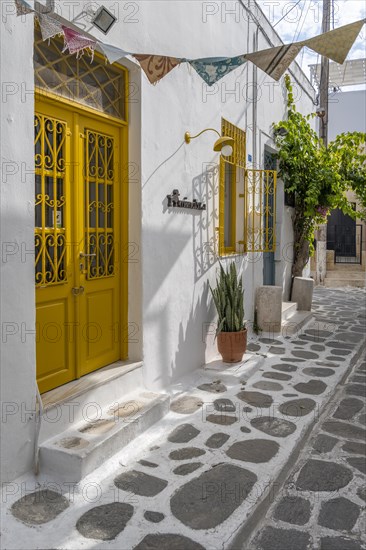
77,238
99,295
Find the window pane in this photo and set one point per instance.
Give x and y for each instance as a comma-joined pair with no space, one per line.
96,85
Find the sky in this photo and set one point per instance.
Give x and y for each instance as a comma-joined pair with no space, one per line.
305,21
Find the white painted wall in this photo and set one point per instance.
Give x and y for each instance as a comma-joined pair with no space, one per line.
347,113
168,295
17,261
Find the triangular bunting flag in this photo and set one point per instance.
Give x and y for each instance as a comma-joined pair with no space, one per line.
112,53
211,69
156,66
275,61
336,44
50,27
77,43
23,8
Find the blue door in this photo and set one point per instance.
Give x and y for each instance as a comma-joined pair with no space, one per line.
269,274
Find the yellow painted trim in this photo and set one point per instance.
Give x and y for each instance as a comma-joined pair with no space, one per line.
51,98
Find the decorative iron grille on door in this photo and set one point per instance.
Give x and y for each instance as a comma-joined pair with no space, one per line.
260,211
50,203
99,204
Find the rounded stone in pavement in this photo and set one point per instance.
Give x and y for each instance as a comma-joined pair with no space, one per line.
209,499
351,337
348,431
297,407
224,405
39,507
253,450
185,469
356,389
318,332
245,430
183,434
337,351
276,351
305,354
358,462
324,443
317,347
348,408
339,543
339,514
361,492
295,510
140,483
280,539
148,464
277,376
362,419
335,358
213,387
154,517
221,419
186,453
353,447
255,398
217,440
273,426
187,404
269,341
268,386
284,367
167,542
318,371
319,475
253,347
313,387
105,522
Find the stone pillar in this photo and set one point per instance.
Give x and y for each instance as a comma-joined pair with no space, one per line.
302,293
268,301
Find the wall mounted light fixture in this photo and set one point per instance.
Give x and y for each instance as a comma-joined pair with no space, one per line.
103,19
224,144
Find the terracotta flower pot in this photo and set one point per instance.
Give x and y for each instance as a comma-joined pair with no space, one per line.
232,345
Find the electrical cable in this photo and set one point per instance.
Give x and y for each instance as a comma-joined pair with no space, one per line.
286,14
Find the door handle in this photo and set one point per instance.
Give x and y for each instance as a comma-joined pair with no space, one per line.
77,291
83,255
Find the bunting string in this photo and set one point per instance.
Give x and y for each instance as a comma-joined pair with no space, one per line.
334,45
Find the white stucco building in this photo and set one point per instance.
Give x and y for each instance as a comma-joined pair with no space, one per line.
89,153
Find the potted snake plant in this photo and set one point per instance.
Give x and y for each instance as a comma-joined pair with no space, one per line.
231,331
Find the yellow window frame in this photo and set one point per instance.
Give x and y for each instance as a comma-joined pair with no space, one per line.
237,162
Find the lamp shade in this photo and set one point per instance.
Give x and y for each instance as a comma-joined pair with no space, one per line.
223,142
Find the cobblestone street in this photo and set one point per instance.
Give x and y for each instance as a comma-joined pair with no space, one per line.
268,454
322,503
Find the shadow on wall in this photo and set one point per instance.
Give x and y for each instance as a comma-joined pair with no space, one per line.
205,188
193,337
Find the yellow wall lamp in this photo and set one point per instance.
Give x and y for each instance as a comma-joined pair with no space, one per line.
224,144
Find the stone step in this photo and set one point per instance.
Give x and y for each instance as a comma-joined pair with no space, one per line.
288,309
81,449
335,274
295,322
330,282
331,266
71,403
